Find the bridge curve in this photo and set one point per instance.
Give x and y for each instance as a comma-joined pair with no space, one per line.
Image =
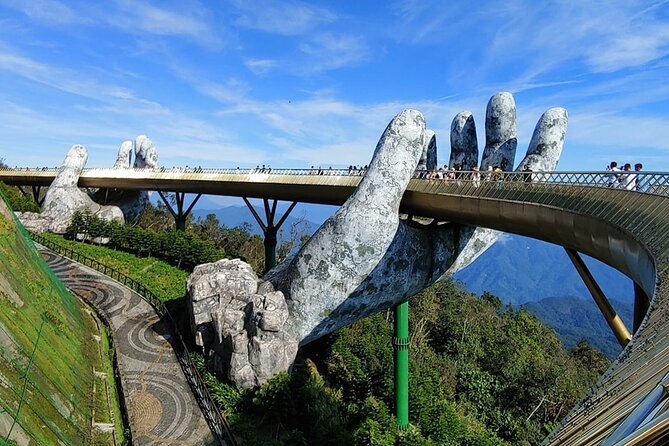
627,229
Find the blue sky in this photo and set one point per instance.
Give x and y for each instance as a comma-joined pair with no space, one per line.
294,84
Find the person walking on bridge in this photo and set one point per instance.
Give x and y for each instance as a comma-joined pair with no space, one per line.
613,177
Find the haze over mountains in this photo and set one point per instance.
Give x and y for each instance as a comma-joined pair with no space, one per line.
519,270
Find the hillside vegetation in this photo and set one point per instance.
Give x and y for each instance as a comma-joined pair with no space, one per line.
576,319
480,373
47,351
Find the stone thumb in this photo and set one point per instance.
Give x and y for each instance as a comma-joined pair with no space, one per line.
394,161
70,170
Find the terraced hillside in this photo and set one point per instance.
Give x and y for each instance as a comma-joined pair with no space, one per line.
47,349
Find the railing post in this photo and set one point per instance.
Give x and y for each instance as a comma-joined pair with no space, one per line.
401,348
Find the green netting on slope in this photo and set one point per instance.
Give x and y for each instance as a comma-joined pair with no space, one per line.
39,318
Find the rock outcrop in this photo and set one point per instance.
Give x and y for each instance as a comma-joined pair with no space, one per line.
364,258
241,319
64,198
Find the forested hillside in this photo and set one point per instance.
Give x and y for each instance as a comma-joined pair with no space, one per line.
520,270
576,319
481,373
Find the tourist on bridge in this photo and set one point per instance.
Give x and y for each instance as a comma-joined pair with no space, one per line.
476,176
639,178
628,179
613,177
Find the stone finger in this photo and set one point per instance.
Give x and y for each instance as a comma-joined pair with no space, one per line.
464,145
543,152
500,132
355,240
428,159
70,170
146,156
123,157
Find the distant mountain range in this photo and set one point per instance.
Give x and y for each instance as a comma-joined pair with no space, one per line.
232,216
520,269
574,319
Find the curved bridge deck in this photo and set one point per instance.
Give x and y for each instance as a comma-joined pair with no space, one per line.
626,229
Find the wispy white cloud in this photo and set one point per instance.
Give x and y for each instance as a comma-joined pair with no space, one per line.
48,11
260,66
64,79
328,51
182,19
188,19
632,50
281,17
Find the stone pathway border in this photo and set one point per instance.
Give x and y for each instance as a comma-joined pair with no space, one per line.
162,408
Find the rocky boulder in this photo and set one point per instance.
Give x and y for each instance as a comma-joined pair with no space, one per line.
239,321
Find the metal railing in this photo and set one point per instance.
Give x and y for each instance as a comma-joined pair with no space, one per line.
650,182
216,421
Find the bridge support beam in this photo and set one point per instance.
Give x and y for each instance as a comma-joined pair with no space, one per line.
269,228
179,215
641,304
401,342
35,191
617,325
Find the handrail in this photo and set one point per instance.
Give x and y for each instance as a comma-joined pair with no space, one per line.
215,419
643,181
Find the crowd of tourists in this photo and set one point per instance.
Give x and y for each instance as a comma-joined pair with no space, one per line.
624,178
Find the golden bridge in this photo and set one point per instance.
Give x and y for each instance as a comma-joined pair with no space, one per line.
582,211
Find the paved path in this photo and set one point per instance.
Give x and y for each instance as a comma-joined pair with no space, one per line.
161,406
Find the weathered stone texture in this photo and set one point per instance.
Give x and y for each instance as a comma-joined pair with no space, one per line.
64,198
363,259
500,132
464,145
428,159
131,202
123,157
240,322
547,141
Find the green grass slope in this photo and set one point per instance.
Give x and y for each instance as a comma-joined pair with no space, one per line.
47,351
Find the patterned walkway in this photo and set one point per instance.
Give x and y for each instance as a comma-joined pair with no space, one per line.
161,406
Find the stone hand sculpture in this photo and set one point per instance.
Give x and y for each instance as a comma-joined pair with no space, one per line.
131,202
64,198
364,258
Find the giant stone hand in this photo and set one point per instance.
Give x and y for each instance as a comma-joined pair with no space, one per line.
64,198
131,202
364,258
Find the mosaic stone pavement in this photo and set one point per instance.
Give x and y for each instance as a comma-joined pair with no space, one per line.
161,406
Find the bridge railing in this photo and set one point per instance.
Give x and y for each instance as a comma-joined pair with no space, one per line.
216,421
648,182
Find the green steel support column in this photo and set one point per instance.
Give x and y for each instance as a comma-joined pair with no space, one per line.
401,347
